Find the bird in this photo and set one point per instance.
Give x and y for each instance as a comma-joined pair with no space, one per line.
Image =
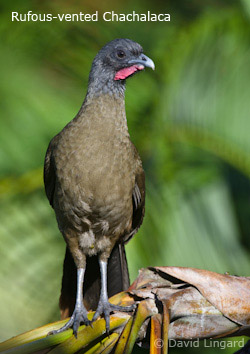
95,182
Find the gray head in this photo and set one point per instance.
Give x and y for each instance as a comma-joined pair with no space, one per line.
114,63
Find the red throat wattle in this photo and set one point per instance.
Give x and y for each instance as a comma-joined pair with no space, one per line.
125,72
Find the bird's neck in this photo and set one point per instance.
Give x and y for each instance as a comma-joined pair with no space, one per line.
106,86
109,111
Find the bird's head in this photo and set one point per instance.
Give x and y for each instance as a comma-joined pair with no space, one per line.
114,63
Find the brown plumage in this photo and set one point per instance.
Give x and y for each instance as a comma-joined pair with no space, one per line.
94,180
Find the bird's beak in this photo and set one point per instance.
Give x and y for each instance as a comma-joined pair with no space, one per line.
143,60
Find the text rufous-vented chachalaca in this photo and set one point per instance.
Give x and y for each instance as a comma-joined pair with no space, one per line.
95,183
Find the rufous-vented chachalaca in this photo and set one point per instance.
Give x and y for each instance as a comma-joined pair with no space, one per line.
95,183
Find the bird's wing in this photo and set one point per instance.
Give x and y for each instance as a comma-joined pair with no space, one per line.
49,174
138,199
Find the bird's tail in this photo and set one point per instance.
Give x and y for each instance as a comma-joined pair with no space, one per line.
118,280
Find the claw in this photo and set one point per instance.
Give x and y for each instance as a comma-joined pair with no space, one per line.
105,308
75,328
123,308
79,316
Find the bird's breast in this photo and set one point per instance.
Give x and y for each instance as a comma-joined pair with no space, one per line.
95,172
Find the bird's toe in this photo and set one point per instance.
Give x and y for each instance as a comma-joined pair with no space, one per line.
79,316
123,308
106,312
105,308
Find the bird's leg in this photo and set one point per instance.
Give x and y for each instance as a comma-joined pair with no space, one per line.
80,313
104,306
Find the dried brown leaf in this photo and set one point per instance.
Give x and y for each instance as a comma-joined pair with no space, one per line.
229,294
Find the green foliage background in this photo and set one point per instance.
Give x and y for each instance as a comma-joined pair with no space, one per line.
189,120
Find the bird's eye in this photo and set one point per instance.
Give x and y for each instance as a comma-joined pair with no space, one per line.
120,54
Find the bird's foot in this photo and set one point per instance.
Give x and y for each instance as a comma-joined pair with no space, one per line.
79,316
105,307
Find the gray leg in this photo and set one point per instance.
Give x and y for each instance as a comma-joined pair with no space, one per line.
104,307
80,313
